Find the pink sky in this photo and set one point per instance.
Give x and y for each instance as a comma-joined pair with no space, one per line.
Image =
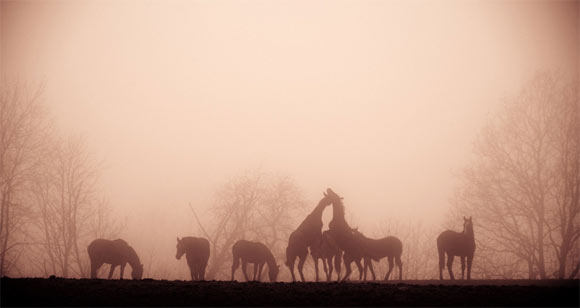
380,100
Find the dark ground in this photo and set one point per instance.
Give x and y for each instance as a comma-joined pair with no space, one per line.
85,292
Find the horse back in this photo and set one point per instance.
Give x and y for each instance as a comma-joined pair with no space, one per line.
455,243
383,247
197,247
107,251
253,252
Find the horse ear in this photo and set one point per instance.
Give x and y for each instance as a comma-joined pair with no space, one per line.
324,193
178,239
464,218
469,218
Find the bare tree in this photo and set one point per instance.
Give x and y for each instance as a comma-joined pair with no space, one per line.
419,250
522,189
66,199
253,206
23,128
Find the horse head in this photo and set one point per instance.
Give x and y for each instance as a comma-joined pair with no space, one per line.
273,273
137,272
332,195
467,225
180,249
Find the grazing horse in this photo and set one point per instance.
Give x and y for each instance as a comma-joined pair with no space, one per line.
308,234
257,253
116,253
456,244
328,251
376,249
196,252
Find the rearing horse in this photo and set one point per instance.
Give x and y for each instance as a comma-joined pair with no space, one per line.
308,234
344,234
456,244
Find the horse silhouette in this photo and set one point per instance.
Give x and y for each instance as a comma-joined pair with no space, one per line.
308,234
256,253
376,249
328,251
196,252
456,244
116,253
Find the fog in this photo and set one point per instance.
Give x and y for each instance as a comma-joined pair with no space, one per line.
379,100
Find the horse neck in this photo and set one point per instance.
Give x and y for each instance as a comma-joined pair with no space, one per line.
317,212
338,221
270,260
132,257
469,234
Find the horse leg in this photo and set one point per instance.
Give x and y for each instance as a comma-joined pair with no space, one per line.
255,271
94,269
400,265
301,266
366,266
244,264
290,264
192,272
260,271
469,262
235,266
462,258
360,269
390,268
441,261
348,270
372,269
122,270
328,270
204,265
316,267
337,261
450,265
198,272
112,270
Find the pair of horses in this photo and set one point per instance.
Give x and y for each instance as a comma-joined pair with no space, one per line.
196,251
119,253
368,250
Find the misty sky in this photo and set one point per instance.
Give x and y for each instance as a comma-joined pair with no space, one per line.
380,100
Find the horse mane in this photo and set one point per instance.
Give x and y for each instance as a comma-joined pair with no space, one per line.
133,258
339,209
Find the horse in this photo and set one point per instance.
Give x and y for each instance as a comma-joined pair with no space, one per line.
196,252
457,244
328,251
257,253
376,249
116,253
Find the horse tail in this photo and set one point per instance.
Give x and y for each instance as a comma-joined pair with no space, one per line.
441,251
235,256
399,253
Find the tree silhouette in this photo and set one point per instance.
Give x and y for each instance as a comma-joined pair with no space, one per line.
523,187
254,206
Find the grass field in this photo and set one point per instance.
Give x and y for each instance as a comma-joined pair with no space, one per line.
86,292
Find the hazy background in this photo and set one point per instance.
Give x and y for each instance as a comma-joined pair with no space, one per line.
380,100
